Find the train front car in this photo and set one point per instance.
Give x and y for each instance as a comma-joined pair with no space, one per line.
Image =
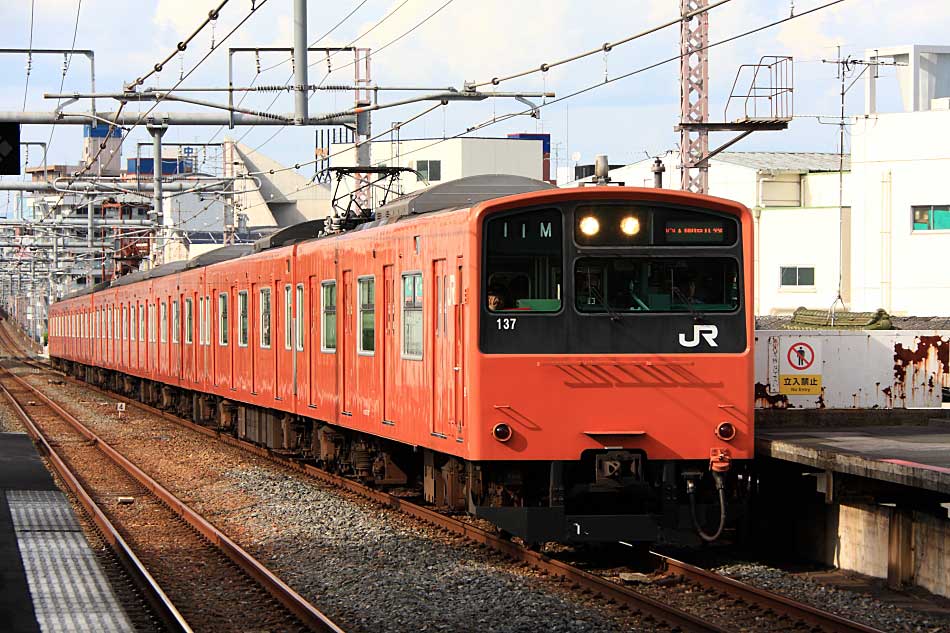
614,375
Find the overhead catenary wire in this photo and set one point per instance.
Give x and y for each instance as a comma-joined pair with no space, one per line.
592,87
604,48
29,56
68,64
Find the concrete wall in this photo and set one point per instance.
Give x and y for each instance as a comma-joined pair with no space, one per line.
858,539
899,160
931,538
888,369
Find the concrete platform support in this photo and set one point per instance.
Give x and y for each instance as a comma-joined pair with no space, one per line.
903,547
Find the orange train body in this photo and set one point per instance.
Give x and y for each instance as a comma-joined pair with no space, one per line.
599,355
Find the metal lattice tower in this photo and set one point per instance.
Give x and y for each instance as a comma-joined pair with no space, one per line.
694,96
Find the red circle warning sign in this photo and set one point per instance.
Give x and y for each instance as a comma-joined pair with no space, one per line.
801,356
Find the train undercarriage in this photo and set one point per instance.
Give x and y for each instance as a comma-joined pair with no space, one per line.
606,496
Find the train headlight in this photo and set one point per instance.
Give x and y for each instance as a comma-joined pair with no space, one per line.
630,225
590,226
502,432
726,431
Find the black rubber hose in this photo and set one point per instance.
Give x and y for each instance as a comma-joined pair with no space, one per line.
720,487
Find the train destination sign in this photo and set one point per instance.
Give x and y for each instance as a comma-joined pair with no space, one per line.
695,232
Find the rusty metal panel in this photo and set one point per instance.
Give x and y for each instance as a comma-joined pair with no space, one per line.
892,369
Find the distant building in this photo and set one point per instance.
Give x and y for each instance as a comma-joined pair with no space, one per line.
799,223
901,177
439,160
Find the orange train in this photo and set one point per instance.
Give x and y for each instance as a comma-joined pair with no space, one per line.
571,364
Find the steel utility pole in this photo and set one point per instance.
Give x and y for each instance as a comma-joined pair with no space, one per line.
301,94
694,96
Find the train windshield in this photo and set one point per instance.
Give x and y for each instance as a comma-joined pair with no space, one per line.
523,262
638,284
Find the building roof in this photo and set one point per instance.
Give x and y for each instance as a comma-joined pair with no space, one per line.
785,161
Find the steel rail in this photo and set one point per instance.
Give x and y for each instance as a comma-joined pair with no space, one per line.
766,599
294,602
146,583
578,578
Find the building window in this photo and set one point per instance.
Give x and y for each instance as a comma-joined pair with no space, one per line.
242,318
797,276
412,316
265,318
429,170
367,315
288,317
931,217
176,321
189,321
163,322
329,316
151,322
300,317
223,318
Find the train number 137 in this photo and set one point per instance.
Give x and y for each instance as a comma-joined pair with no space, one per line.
506,323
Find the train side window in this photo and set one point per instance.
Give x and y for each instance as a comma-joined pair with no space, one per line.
223,319
176,320
300,317
132,321
163,322
367,315
189,321
328,306
142,322
207,320
412,316
265,318
242,318
288,317
151,323
201,320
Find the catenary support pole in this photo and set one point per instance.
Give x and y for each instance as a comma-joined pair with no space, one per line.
300,62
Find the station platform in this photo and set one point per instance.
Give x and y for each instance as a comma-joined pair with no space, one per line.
50,579
916,456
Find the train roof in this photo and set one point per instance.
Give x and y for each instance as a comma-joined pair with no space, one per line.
290,235
463,192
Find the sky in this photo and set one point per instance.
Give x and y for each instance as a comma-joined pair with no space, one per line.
463,41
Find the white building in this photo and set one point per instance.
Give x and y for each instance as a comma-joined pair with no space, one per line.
901,175
439,160
802,219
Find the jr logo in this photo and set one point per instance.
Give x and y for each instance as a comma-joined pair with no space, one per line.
708,332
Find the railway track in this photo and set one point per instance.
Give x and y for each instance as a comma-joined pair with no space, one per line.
792,615
166,546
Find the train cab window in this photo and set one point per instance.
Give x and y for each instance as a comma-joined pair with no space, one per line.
265,317
288,317
367,315
163,322
619,285
412,346
242,318
300,318
223,319
189,321
523,262
328,306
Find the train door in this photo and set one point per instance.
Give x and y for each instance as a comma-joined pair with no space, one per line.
390,348
347,344
442,352
458,361
284,341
